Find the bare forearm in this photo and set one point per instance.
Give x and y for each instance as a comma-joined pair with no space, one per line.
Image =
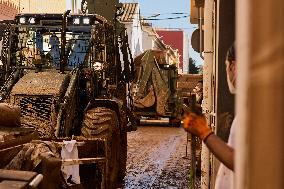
221,150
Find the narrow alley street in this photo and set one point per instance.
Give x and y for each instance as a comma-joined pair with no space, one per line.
141,94
156,158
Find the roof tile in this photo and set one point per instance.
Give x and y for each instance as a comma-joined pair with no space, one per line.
129,12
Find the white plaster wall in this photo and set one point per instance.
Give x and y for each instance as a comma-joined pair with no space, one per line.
148,41
185,52
136,34
77,5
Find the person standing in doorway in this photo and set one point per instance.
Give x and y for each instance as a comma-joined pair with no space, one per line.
198,126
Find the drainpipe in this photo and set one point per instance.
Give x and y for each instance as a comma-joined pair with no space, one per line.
208,87
200,23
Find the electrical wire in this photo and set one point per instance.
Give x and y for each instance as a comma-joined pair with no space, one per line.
175,13
175,28
168,18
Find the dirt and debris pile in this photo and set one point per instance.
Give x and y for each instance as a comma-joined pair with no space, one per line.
188,81
42,157
32,155
41,83
10,115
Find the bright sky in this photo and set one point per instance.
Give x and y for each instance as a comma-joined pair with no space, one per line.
166,8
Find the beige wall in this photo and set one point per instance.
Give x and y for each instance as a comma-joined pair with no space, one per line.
260,102
43,6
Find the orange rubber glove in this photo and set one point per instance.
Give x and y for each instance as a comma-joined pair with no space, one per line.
197,125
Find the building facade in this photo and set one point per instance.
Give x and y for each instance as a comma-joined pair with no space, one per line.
149,36
131,19
9,8
176,39
42,6
151,40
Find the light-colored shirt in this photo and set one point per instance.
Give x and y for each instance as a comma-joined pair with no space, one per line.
225,176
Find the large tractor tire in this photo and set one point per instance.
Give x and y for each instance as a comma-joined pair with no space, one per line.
103,123
123,157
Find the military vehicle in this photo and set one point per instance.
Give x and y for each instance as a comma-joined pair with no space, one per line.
154,90
69,74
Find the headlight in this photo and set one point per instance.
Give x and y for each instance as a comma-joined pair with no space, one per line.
32,20
22,20
97,66
76,21
86,21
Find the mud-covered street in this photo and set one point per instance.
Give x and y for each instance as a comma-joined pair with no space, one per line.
156,158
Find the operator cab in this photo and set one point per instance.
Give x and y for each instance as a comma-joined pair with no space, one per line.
40,39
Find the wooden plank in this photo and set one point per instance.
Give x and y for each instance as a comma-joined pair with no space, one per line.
16,175
77,143
8,184
67,162
6,155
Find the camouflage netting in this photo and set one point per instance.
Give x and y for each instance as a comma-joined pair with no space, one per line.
32,154
148,100
157,92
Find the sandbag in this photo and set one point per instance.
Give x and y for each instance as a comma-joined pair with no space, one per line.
10,115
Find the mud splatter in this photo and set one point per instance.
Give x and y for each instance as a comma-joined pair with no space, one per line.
156,158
